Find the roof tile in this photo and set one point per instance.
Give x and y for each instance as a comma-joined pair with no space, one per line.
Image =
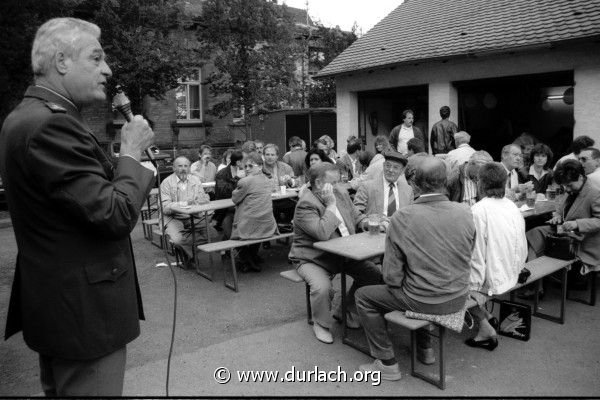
419,30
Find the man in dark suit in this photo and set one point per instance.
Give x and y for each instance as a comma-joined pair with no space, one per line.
322,213
75,294
578,213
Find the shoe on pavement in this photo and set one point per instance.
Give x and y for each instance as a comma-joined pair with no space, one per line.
322,334
388,372
425,355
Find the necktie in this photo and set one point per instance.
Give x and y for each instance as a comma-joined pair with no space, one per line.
391,209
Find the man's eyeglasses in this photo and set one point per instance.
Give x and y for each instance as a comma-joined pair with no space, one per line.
250,166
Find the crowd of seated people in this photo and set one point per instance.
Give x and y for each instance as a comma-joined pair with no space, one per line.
476,242
452,229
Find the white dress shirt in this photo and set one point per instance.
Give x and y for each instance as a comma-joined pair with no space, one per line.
513,179
342,226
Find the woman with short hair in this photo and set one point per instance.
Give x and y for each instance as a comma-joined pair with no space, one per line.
500,249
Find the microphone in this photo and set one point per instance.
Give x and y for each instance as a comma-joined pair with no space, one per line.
122,104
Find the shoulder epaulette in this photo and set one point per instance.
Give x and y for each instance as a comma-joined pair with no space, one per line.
55,108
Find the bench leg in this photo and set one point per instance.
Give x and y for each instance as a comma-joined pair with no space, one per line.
308,306
592,286
233,287
441,381
563,298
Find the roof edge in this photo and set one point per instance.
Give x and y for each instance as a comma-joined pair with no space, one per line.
465,55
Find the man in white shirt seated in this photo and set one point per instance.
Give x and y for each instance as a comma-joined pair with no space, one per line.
461,154
325,212
590,159
386,193
178,191
511,159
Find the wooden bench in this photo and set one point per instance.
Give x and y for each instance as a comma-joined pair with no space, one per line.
229,245
294,276
539,268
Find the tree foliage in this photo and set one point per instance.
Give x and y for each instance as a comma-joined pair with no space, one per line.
19,20
253,52
334,41
147,45
144,41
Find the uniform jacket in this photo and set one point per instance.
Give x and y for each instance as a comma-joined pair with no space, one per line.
75,293
369,197
313,223
254,209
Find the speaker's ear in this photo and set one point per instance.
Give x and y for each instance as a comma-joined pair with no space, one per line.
62,63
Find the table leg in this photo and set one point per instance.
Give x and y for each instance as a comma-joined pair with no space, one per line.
345,338
196,261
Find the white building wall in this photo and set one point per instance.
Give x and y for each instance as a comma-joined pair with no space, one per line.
442,94
584,60
587,102
347,117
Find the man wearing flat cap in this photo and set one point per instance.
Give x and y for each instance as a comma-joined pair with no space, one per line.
388,192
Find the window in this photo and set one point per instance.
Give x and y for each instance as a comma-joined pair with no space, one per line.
188,97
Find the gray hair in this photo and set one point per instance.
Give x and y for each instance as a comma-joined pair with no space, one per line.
461,137
271,146
430,175
58,35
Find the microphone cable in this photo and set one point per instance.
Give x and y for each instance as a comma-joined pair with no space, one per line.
160,210
123,105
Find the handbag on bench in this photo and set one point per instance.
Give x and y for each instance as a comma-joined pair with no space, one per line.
561,245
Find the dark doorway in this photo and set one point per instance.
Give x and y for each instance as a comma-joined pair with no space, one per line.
497,111
381,110
311,125
297,125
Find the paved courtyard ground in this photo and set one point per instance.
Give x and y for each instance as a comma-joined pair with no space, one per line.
263,327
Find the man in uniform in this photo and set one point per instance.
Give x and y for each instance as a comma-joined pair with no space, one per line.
75,294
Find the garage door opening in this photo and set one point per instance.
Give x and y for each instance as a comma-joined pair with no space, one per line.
381,110
497,111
